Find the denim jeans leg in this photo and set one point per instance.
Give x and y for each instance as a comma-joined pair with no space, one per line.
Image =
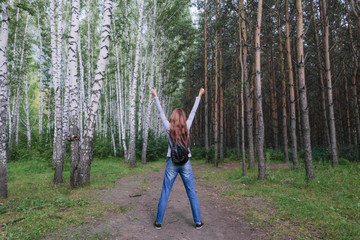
188,180
169,177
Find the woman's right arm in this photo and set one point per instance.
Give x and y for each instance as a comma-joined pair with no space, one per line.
160,110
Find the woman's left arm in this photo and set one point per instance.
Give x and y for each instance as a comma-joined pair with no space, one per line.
193,110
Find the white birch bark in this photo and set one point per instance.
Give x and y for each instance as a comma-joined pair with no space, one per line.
133,86
151,85
27,113
56,63
41,77
74,133
120,108
3,99
83,169
82,102
89,60
142,93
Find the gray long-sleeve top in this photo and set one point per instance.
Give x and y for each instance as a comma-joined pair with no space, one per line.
166,122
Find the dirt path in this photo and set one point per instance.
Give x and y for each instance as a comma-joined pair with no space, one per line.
221,219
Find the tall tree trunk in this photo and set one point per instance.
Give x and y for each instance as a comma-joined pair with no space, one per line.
354,80
216,112
56,63
151,85
347,102
326,138
74,132
242,83
303,95
27,113
206,88
82,102
291,89
221,91
260,137
144,80
132,120
273,100
119,92
3,99
248,105
41,78
86,152
283,87
334,149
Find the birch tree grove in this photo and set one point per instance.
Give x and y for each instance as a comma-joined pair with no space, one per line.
3,99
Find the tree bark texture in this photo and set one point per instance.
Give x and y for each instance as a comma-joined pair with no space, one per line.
74,132
56,63
132,110
283,87
206,138
260,137
248,104
4,35
303,94
291,89
334,149
86,152
151,85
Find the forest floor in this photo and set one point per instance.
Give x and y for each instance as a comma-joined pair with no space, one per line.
137,197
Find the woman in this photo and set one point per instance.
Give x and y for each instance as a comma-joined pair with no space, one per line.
178,132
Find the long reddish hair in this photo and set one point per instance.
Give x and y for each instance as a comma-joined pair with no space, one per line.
178,129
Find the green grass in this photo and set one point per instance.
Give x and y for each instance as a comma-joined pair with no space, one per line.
36,206
326,208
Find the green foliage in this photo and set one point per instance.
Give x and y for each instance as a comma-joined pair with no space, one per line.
103,147
156,148
349,152
274,156
326,208
321,154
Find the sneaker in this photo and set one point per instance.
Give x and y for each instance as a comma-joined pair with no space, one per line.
157,225
199,225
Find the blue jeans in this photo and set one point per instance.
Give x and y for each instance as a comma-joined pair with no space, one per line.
170,175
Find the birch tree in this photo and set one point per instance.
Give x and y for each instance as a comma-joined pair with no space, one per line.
151,85
132,97
74,132
3,99
81,173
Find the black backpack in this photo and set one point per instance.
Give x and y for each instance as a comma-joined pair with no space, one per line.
179,153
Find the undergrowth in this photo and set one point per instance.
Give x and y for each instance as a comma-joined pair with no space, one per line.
325,208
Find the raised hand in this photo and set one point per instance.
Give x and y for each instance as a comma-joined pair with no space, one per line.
201,92
153,92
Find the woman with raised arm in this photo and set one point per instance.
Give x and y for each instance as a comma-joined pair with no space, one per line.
178,130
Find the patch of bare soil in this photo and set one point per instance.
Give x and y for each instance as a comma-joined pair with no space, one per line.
137,196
